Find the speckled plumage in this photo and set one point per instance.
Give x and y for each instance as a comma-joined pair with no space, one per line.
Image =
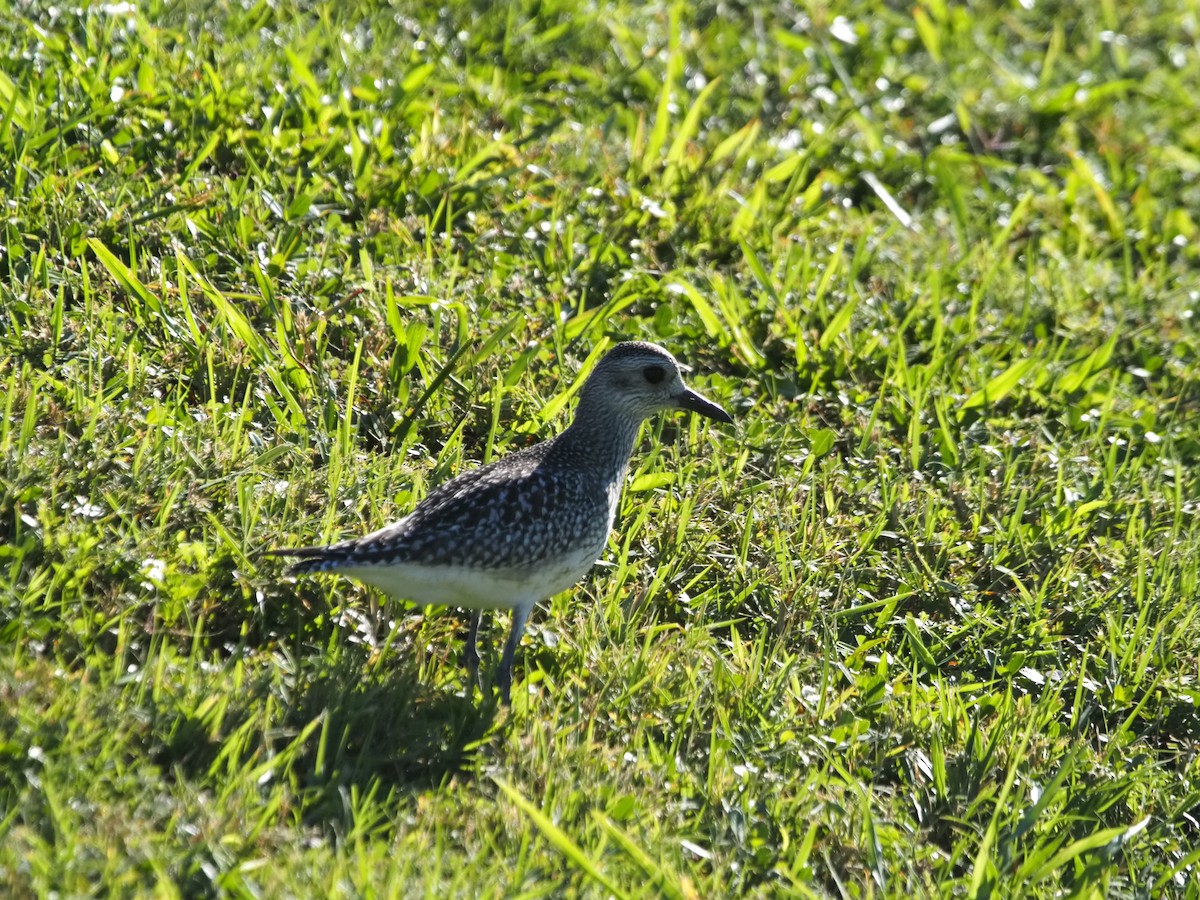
517,511
530,524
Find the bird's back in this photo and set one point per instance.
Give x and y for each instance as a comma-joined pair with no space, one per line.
522,511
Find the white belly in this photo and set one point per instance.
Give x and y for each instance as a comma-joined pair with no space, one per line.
475,588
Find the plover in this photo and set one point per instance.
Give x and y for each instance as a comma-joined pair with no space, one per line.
528,525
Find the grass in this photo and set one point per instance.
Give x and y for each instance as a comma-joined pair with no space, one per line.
923,624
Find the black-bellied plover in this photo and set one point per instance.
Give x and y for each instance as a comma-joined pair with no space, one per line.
528,525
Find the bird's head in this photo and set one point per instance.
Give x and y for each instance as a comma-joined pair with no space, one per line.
639,380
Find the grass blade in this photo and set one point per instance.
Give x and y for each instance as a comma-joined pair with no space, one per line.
664,883
559,839
1000,386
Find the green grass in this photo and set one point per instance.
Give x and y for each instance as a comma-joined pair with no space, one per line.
923,624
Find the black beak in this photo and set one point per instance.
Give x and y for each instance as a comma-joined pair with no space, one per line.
690,400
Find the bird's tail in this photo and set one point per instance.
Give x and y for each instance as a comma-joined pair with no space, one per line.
312,559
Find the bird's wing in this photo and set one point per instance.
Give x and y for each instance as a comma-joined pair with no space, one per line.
512,512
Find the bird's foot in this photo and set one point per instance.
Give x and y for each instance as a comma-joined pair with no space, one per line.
504,685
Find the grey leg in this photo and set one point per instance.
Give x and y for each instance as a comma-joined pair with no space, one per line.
471,650
504,672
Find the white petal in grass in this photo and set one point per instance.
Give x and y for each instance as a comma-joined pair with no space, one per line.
153,572
843,30
945,123
1033,675
810,696
86,509
791,140
825,95
651,206
696,849
1130,832
364,628
1153,437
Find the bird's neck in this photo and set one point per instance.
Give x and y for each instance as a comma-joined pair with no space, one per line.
607,441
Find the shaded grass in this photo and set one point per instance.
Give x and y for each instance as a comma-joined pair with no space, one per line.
923,625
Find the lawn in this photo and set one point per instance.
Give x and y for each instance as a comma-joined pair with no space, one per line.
923,622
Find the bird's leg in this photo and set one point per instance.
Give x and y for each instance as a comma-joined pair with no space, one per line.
471,650
504,672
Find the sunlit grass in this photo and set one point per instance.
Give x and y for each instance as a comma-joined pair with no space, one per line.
923,623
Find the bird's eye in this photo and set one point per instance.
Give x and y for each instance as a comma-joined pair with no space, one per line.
654,374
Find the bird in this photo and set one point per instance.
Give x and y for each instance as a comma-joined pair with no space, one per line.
526,526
